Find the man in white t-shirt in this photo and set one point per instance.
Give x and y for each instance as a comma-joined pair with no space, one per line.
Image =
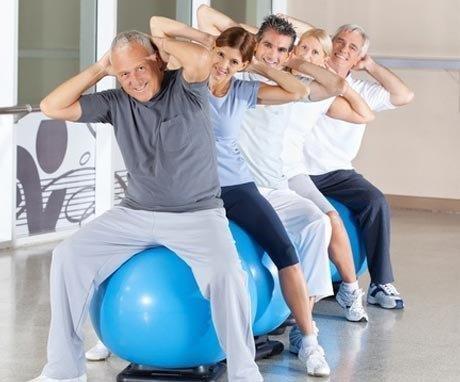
333,144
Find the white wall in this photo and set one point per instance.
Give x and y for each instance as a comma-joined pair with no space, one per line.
413,150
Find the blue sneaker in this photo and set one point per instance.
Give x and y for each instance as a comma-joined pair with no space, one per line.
384,295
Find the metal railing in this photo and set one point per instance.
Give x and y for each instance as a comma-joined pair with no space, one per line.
19,111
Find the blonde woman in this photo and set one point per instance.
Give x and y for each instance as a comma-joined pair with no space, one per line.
315,46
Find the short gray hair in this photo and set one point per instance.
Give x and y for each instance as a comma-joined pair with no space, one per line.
133,36
355,28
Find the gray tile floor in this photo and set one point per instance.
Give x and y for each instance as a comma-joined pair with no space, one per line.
421,343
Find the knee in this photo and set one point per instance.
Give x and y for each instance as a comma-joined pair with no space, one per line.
376,200
63,254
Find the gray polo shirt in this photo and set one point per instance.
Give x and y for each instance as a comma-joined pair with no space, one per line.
167,144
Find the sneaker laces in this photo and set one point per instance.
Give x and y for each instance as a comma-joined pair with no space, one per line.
390,289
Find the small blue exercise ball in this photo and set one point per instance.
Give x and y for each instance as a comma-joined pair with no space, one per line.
272,310
151,312
354,234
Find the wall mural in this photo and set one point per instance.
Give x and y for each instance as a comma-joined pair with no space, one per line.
55,186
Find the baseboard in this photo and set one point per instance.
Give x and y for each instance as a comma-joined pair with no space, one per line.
423,203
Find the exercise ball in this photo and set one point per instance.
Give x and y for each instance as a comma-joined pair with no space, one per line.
354,234
151,312
272,310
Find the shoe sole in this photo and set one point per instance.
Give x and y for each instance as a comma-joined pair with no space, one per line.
91,359
373,301
323,375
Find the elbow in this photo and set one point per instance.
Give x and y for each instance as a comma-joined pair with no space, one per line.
202,11
409,97
369,117
155,24
403,99
45,108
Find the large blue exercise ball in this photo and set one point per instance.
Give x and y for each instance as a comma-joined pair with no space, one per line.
272,310
151,312
354,234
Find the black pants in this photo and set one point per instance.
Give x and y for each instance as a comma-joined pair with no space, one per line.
250,210
372,213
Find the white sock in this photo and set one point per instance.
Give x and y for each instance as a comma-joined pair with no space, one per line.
310,341
350,287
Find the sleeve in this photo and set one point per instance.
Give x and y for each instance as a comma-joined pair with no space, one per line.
198,90
97,107
247,91
376,96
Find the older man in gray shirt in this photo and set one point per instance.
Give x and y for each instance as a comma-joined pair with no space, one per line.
163,129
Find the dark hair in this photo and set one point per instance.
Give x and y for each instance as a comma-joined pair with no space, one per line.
279,25
238,38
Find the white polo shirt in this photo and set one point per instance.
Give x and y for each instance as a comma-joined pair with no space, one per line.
302,119
333,144
261,140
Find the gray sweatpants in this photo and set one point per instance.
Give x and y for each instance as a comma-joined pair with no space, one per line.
201,238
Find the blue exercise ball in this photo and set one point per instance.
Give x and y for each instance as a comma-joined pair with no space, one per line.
272,310
151,312
354,234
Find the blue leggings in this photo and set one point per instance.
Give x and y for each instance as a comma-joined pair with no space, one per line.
250,210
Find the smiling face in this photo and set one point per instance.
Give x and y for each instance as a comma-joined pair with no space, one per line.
273,48
226,62
346,50
137,70
310,50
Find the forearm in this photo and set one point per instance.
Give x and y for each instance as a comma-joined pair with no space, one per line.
332,84
300,26
164,27
400,94
66,94
212,21
285,80
358,104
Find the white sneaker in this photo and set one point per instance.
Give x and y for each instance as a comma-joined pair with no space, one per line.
384,295
98,352
315,361
42,378
352,304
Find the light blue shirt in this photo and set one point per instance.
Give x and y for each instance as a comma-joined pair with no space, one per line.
227,114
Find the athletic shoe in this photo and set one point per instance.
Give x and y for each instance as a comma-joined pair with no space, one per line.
98,352
384,295
352,304
296,336
314,360
42,378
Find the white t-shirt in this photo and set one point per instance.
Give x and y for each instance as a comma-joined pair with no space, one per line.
261,140
302,119
333,144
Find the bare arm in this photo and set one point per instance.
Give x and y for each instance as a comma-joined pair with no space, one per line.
288,88
214,22
326,84
63,102
350,107
164,27
193,58
400,94
300,26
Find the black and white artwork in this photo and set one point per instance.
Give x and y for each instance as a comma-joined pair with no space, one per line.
55,186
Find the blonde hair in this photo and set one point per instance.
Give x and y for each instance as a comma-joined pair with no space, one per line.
323,38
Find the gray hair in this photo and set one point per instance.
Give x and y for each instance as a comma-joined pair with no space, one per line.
360,30
133,36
